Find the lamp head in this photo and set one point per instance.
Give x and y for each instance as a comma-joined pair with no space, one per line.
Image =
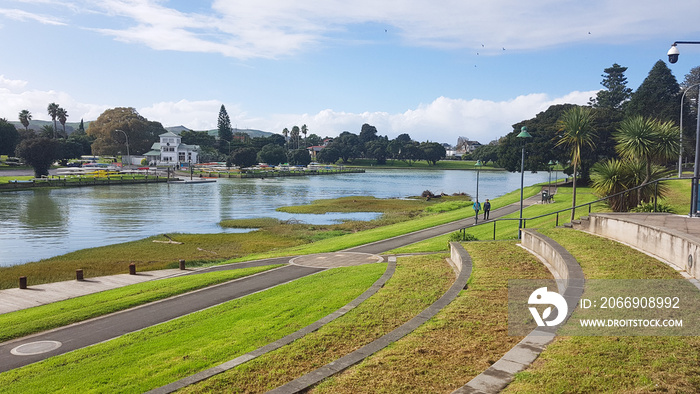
524,133
673,53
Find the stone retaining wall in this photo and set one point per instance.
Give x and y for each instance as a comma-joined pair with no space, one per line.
675,247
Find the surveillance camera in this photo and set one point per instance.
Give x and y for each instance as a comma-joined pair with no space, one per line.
673,54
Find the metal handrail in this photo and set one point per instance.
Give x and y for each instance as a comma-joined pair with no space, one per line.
589,204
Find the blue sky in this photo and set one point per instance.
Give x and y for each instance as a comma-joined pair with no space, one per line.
434,70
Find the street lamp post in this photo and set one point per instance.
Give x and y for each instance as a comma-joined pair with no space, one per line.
478,166
127,147
673,57
549,182
680,147
523,134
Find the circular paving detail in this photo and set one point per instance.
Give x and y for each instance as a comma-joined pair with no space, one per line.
30,349
338,259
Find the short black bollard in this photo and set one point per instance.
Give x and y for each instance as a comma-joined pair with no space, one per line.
182,264
22,282
79,274
132,269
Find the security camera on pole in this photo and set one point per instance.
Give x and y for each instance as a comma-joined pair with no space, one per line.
673,54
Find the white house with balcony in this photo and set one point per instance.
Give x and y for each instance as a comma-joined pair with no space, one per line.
171,151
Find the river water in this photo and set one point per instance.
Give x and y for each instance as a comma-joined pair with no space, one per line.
45,223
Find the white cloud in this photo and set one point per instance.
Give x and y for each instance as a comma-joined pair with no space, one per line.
443,120
196,115
21,15
15,98
253,28
11,84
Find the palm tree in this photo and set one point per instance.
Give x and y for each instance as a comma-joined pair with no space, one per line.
577,127
285,132
615,176
62,116
24,117
646,141
295,136
53,112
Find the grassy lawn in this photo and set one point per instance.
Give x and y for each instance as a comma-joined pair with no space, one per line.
196,249
613,364
158,355
7,179
509,229
417,283
462,340
62,313
678,196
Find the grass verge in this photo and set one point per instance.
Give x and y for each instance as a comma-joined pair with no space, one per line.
509,229
461,341
197,249
158,355
45,317
417,283
613,364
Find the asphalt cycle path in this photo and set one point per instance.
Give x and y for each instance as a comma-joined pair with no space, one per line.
37,347
100,329
421,235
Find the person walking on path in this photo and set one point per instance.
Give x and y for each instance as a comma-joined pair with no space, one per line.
487,209
477,208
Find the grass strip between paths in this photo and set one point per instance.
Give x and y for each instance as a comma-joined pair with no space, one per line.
461,341
613,364
417,283
158,355
45,317
509,229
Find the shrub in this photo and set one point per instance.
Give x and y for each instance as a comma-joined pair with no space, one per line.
649,207
459,236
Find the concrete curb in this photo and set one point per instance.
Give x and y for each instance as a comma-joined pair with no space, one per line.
659,235
208,373
342,363
570,281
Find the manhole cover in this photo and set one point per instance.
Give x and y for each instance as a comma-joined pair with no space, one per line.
30,349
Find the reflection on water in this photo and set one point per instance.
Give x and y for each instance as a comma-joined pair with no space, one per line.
45,223
40,211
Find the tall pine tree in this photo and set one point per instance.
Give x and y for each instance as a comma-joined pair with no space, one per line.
224,125
616,92
658,97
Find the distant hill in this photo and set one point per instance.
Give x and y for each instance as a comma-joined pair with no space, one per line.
36,125
252,133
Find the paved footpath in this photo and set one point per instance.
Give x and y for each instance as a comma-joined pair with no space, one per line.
61,340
